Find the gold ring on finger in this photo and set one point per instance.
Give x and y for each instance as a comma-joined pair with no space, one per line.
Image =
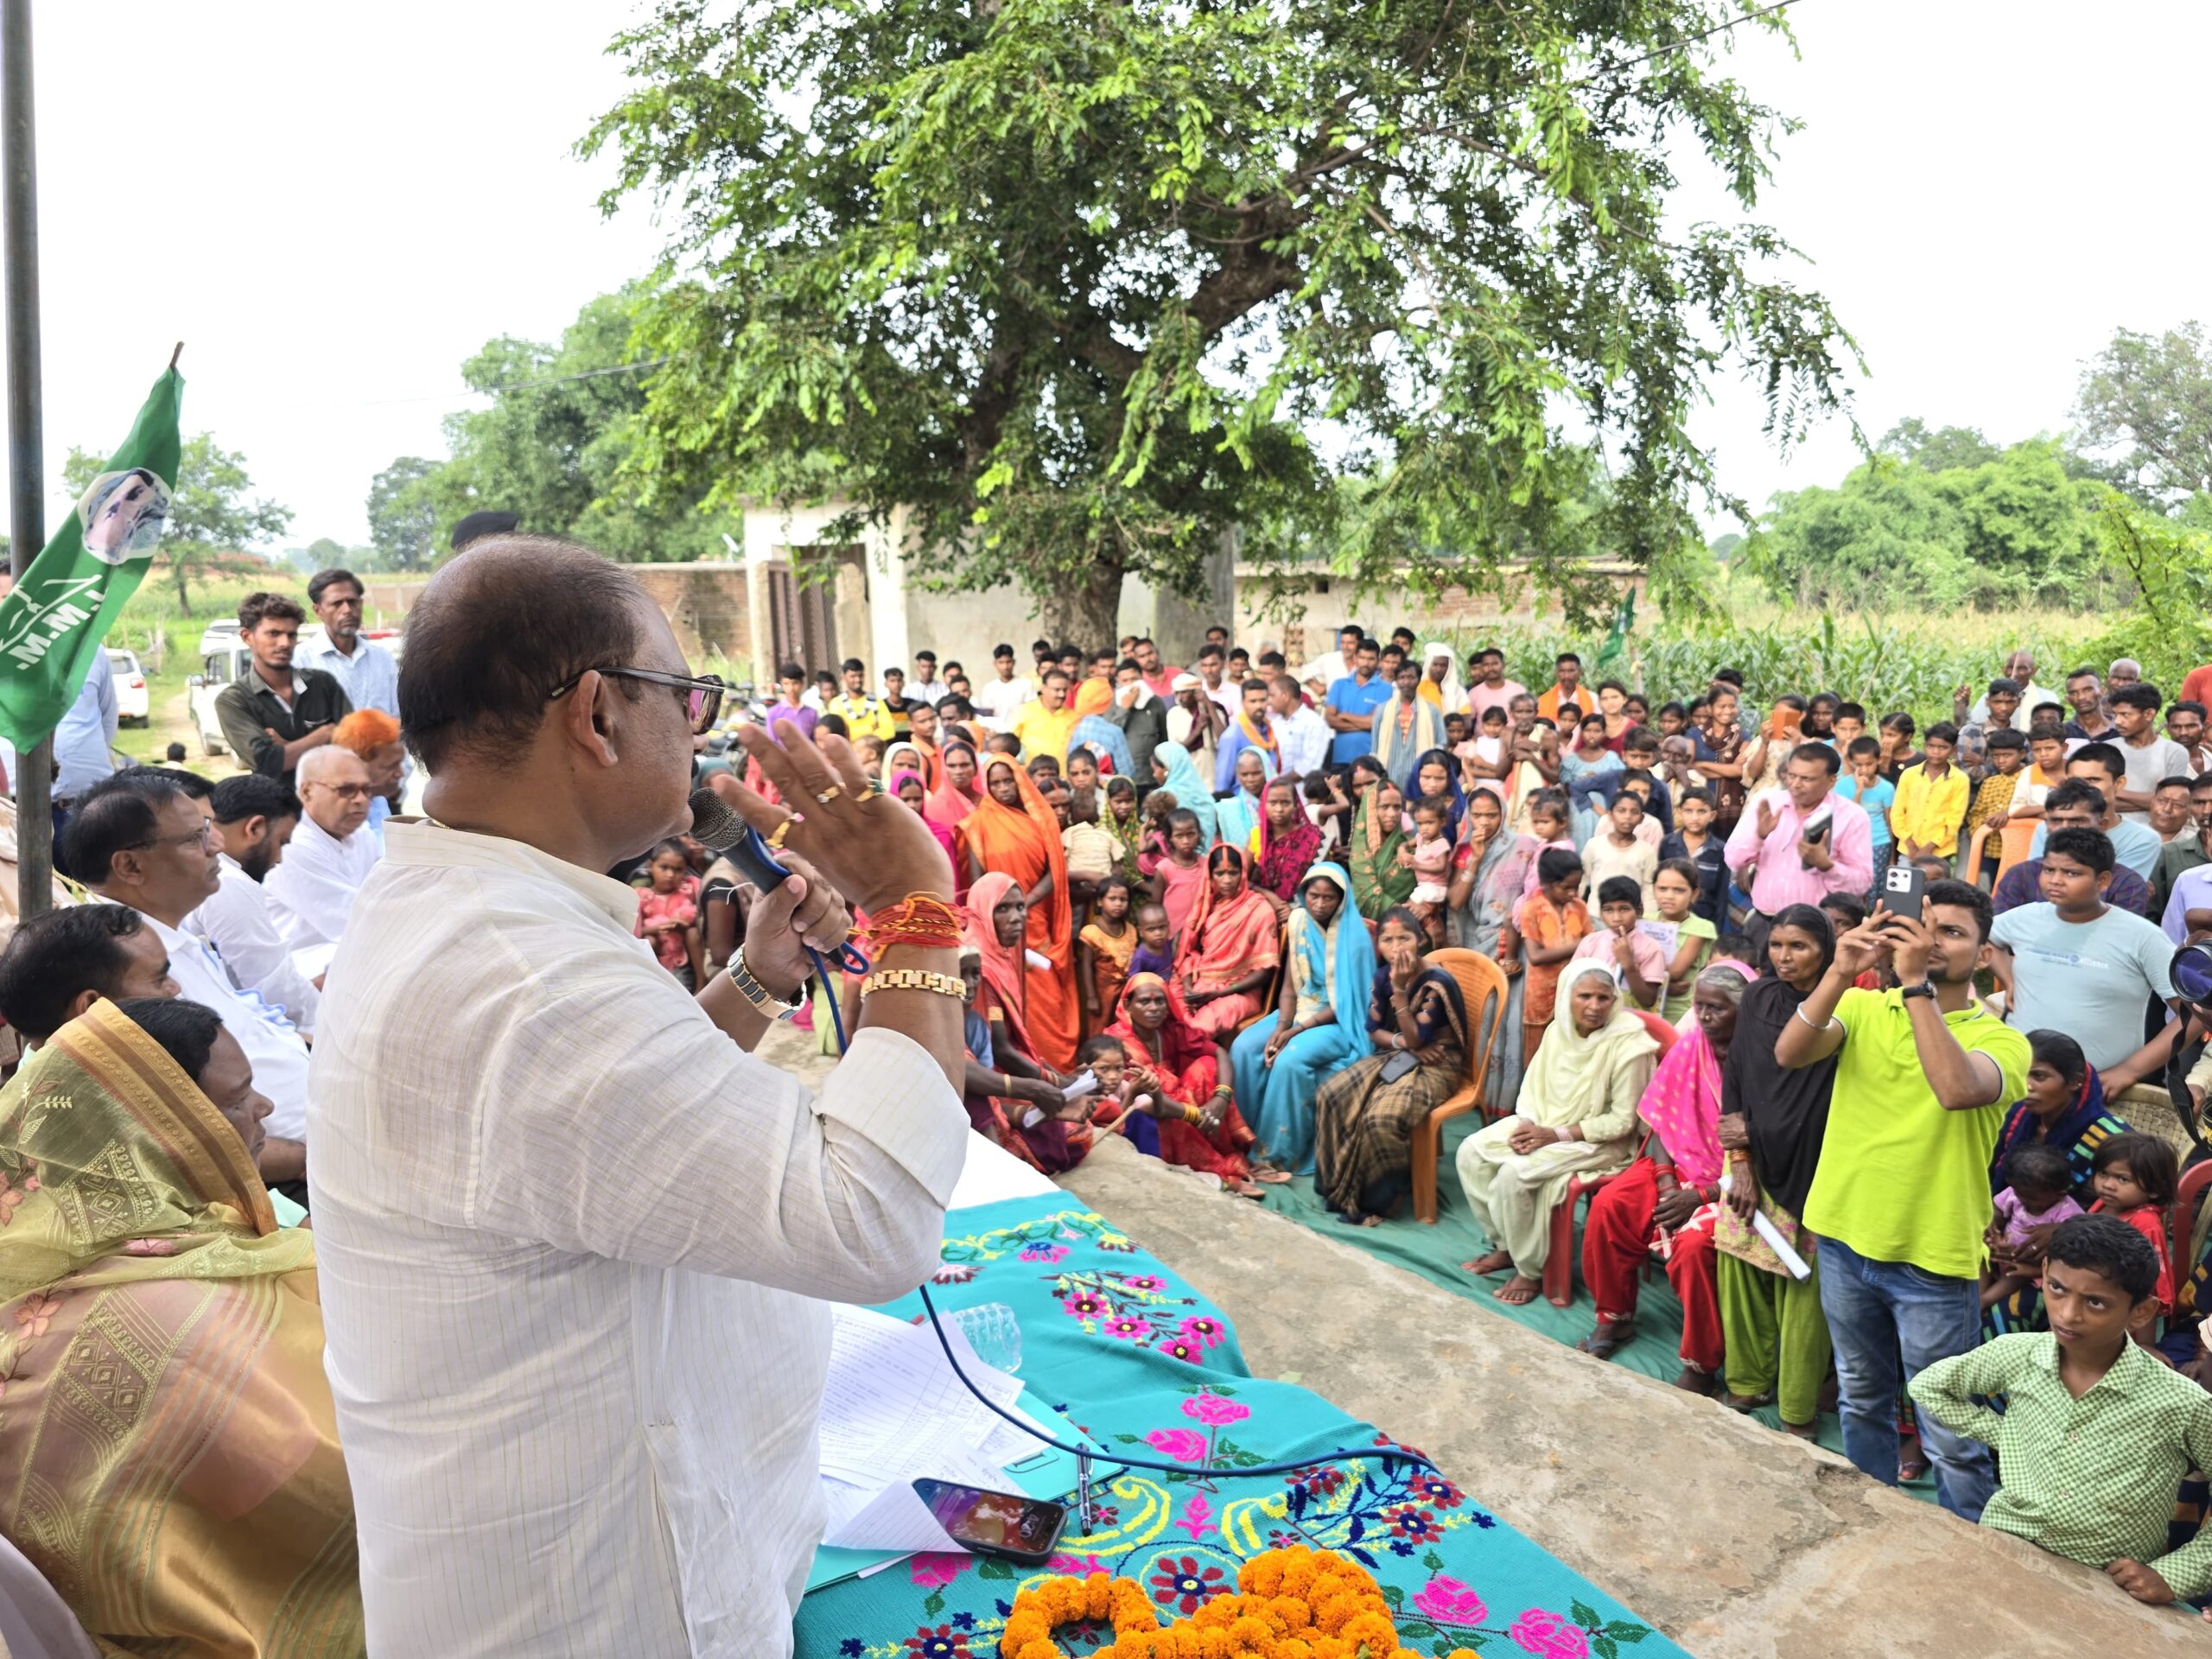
830,794
776,835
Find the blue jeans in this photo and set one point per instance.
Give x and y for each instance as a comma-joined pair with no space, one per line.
1890,1321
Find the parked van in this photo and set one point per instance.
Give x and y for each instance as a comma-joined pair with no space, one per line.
224,658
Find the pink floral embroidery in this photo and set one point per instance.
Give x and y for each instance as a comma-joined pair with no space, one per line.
1078,1567
1448,1601
1205,1328
1185,1349
1184,1445
1549,1637
934,1569
1145,1281
36,1313
1129,1328
1214,1411
1088,1305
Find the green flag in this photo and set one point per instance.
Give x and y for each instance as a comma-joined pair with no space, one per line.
1616,636
64,605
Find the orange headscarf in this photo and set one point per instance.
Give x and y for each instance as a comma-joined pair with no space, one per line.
1094,696
1024,843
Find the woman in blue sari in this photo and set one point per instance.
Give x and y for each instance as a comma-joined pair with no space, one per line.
1178,774
1319,1027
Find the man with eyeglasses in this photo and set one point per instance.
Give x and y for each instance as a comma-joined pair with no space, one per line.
331,852
599,1172
139,840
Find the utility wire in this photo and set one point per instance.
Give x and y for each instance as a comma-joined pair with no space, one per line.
523,386
1690,40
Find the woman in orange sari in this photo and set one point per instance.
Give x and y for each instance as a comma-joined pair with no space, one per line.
1013,832
1178,1076
1230,948
1012,1097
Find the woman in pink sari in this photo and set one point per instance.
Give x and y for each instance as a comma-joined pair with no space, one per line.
1664,1204
1230,948
954,797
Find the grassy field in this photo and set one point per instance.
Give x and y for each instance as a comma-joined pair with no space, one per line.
168,644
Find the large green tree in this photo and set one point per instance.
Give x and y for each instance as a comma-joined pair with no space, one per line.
1090,287
2149,397
210,510
548,446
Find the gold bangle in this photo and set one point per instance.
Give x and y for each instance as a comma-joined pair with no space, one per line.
915,979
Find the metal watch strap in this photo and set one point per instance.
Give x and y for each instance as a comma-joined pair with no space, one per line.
764,1000
915,979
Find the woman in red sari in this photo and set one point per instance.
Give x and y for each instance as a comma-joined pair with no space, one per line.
1012,1097
1230,948
1013,832
1184,1076
1289,842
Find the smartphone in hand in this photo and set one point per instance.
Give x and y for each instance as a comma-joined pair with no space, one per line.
1904,886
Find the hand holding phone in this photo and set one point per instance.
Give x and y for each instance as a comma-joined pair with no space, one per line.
1904,888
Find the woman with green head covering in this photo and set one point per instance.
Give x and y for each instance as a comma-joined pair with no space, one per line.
168,1435
1380,877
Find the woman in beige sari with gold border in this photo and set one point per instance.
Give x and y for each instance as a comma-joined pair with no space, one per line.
168,1451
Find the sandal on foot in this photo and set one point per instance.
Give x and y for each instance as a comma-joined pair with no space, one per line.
1747,1402
1609,1339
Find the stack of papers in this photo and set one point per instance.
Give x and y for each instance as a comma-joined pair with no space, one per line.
893,1411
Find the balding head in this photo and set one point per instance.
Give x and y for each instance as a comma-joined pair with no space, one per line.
496,631
334,787
520,693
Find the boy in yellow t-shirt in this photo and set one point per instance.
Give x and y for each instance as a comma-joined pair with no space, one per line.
1931,800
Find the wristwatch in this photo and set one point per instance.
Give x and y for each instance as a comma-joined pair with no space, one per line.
1926,988
765,1001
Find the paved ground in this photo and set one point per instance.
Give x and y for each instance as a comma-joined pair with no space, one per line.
1740,1542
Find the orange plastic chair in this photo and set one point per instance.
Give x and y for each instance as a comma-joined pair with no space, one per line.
1559,1266
1483,987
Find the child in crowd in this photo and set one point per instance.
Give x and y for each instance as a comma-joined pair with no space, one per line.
1178,875
1486,753
1993,801
1674,894
1429,857
2135,1177
1089,848
668,914
1619,851
1124,822
1109,1063
1552,922
1674,719
1863,782
1931,802
2039,1194
1155,950
1551,823
1082,772
1323,806
1895,736
1636,958
1850,726
2089,1478
1105,947
1695,844
1640,759
1644,787
1159,806
870,750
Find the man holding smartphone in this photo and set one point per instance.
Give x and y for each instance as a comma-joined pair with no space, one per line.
1799,844
1925,1074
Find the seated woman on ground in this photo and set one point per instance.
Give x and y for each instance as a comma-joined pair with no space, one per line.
1366,1114
213,1515
1013,1097
1182,1073
1228,949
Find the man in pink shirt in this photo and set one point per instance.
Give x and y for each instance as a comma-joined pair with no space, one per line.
1491,689
1792,869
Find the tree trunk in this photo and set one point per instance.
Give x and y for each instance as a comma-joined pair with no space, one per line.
183,597
1084,614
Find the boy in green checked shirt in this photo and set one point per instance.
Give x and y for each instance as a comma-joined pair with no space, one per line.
2096,1432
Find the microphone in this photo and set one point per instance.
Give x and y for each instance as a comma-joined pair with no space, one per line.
720,831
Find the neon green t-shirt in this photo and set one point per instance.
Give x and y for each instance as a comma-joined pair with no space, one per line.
1900,1180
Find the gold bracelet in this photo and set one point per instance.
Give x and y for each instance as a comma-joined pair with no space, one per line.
915,979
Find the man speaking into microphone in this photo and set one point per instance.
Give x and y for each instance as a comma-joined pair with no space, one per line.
570,1232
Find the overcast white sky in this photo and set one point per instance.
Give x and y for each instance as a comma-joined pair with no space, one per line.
333,207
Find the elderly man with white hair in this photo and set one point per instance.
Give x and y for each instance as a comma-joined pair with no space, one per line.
330,855
2020,669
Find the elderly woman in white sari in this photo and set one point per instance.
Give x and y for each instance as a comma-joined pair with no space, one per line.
1575,1113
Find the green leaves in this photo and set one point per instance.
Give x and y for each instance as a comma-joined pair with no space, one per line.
1360,284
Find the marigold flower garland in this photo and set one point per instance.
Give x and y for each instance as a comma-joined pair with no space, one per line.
1298,1603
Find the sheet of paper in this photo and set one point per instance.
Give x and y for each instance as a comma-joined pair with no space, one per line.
892,1404
1665,935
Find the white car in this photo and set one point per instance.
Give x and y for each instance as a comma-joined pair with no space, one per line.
130,698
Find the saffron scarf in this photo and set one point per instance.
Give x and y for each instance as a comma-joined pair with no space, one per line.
1024,843
168,1430
1226,939
1682,1101
1266,741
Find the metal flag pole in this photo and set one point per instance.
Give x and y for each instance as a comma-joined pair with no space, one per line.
34,780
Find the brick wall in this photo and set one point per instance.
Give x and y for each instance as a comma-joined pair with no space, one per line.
707,604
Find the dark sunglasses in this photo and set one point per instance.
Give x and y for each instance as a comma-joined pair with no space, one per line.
702,696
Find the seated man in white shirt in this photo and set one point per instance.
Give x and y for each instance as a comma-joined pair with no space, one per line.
58,964
254,815
330,853
541,1298
141,841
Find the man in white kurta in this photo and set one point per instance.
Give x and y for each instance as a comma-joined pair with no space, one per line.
255,815
331,852
570,1233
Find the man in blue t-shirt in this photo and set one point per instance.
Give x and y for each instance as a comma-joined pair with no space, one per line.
2075,964
1352,702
